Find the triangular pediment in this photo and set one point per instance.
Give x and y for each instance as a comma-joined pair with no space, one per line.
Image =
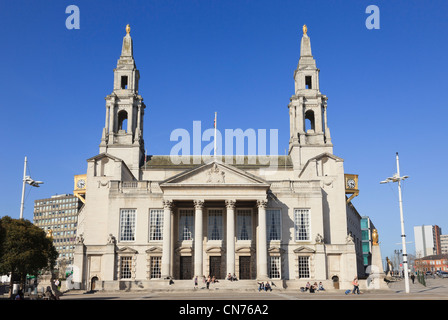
127,250
104,155
214,173
304,249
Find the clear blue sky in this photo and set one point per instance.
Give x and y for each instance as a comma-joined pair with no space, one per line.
386,88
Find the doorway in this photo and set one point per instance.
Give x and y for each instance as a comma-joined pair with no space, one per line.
93,283
215,267
185,268
244,267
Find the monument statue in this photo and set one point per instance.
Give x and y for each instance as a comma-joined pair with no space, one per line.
375,237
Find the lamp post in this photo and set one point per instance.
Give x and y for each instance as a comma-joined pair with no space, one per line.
398,178
31,182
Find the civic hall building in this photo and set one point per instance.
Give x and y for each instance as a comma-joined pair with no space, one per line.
145,221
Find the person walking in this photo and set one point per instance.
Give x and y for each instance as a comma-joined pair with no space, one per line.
355,284
412,278
195,283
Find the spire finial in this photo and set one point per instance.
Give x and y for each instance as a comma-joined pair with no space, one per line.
128,29
305,29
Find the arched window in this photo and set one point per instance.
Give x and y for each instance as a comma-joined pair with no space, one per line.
309,120
122,120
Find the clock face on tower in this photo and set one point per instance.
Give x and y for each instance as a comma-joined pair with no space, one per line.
351,183
81,184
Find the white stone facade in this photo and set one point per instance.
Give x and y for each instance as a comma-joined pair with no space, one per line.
145,222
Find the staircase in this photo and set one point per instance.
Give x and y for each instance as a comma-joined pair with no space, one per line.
221,285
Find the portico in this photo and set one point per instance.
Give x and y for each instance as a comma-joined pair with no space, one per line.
211,212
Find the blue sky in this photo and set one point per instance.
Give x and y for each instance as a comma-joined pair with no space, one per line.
385,88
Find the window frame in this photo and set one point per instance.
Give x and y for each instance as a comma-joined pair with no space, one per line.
268,224
151,233
250,233
220,228
296,225
121,234
192,231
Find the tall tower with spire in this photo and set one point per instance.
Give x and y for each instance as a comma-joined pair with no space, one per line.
309,132
122,135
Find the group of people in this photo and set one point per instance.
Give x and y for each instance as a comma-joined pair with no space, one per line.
265,286
312,287
231,278
207,281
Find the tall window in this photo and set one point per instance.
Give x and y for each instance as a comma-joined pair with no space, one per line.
304,267
302,224
156,224
126,267
186,224
214,224
273,218
156,267
127,225
244,224
274,268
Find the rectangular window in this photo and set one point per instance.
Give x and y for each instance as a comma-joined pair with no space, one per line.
124,82
126,267
304,267
308,82
155,224
156,263
364,224
274,268
302,224
365,247
186,224
127,225
273,226
365,235
214,224
244,224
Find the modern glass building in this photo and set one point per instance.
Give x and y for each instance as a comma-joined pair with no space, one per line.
58,217
366,240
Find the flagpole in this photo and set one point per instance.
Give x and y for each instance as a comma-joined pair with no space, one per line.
23,191
215,136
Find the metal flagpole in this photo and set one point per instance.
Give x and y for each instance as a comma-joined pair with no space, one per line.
23,190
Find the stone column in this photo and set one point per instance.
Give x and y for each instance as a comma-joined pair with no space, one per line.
198,238
107,118
166,247
230,262
262,248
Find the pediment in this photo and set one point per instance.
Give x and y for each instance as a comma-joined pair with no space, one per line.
214,173
323,164
127,250
154,250
303,249
102,156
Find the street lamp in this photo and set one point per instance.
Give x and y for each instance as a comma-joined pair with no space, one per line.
31,182
396,178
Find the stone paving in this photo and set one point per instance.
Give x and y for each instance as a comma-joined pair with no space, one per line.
436,289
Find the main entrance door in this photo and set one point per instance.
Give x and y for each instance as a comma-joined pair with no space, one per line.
185,268
244,267
215,267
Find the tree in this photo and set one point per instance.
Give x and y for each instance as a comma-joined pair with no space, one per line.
24,249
